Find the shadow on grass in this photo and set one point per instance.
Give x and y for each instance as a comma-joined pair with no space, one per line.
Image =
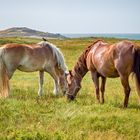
120,105
48,96
134,106
90,100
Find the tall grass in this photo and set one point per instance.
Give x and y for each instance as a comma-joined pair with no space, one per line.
24,115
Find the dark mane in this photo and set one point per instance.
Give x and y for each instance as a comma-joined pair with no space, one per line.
80,68
86,51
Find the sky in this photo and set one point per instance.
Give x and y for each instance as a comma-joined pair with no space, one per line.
72,16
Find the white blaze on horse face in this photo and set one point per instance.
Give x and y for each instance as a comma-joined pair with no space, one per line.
69,79
72,85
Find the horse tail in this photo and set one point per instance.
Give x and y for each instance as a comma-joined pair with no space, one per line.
4,80
136,69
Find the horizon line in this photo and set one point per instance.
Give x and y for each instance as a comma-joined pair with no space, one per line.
68,32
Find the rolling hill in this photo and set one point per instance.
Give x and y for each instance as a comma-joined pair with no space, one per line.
27,32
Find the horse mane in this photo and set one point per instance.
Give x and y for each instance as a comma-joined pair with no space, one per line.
86,51
80,68
56,54
89,47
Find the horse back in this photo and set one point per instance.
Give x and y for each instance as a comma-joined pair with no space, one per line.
26,57
123,57
107,60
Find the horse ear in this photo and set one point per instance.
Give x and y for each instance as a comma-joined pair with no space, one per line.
66,73
70,72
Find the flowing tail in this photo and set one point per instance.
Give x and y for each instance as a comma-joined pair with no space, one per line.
136,69
4,80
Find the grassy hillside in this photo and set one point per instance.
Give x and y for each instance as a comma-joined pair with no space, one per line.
27,32
25,116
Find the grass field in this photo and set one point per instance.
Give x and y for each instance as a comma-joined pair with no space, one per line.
26,116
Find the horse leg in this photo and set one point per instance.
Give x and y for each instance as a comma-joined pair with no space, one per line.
56,87
56,80
103,89
10,71
125,83
96,84
41,81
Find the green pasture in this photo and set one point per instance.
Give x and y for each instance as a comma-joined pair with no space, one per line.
26,116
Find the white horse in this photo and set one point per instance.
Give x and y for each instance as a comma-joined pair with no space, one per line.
42,57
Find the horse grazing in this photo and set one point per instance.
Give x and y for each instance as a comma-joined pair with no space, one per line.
103,60
42,57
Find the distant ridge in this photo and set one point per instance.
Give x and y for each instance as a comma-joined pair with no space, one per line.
27,32
131,36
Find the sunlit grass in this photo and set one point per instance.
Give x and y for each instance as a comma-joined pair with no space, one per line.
24,115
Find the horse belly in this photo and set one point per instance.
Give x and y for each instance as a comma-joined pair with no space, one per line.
111,74
108,71
30,65
27,68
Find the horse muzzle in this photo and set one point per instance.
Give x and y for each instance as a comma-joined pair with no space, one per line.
70,97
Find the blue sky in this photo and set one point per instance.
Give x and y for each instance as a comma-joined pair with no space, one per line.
72,16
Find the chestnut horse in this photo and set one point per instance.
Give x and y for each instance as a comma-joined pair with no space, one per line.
42,57
103,60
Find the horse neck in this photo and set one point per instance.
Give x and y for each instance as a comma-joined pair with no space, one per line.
80,68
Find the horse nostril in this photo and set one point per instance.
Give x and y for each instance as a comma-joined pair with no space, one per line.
70,98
